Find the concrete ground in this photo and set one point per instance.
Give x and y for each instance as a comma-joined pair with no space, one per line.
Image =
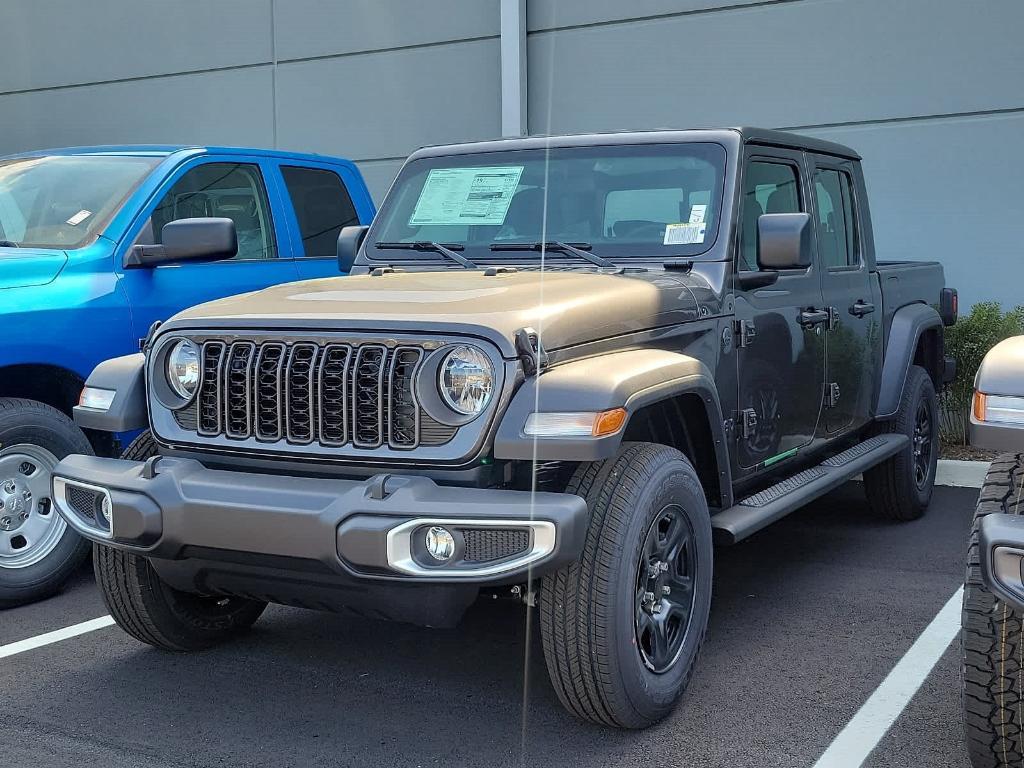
809,616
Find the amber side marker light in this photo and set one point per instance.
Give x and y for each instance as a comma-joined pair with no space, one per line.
979,405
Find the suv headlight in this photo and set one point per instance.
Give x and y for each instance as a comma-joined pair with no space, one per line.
466,380
183,368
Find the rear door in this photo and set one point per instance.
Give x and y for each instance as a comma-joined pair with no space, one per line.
781,359
850,370
318,203
234,187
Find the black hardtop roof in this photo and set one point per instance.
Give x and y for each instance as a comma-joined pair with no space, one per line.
727,136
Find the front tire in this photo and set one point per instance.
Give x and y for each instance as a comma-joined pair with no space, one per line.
38,551
900,488
623,626
992,638
151,611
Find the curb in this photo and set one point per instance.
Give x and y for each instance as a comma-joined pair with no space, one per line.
961,474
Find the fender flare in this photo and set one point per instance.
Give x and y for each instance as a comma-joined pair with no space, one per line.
631,379
908,324
127,378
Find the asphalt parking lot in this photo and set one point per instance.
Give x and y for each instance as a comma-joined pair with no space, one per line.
809,617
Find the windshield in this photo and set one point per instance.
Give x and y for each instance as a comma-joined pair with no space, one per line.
63,201
650,201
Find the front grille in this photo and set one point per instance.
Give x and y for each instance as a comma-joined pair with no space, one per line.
335,394
485,544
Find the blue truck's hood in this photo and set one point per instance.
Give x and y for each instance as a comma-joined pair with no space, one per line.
24,267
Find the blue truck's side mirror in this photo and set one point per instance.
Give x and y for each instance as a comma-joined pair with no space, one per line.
349,240
784,241
205,239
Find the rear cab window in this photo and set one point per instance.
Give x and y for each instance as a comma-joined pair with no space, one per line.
322,207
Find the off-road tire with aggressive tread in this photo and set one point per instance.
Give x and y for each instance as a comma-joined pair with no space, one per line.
992,639
890,486
29,421
586,609
151,611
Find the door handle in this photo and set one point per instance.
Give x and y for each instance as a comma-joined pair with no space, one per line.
862,308
812,317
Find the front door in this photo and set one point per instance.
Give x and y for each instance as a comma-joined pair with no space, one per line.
235,190
851,367
780,356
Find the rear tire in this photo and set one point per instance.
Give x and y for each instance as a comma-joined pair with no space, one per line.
149,610
992,638
619,650
38,550
900,488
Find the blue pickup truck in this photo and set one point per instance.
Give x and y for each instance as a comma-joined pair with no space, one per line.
97,244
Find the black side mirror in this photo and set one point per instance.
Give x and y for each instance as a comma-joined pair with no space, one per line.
784,241
207,239
349,240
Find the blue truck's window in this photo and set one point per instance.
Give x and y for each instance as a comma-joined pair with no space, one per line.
322,207
836,226
226,190
767,188
63,201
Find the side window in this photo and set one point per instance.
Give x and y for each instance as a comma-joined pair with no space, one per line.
322,206
767,188
228,190
837,228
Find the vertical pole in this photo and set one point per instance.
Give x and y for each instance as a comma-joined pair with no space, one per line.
513,68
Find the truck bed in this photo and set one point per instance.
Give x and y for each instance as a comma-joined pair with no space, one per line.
908,282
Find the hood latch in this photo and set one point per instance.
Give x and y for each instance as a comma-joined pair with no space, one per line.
530,351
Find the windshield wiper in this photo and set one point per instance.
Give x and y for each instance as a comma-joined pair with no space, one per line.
573,249
426,245
8,244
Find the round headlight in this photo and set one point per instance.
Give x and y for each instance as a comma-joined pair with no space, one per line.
183,368
466,380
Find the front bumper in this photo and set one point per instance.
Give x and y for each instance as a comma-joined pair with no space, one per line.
1001,552
211,530
995,437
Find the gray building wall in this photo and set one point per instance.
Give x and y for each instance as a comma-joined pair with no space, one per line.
931,92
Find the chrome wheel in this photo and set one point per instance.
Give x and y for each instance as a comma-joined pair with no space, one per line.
30,527
665,589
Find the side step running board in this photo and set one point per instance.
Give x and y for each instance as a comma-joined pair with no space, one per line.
765,507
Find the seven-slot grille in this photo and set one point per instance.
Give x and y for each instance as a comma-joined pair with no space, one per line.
334,394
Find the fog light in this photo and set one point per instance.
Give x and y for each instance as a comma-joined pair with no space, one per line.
440,543
105,509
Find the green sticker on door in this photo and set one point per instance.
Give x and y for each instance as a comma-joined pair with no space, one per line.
466,196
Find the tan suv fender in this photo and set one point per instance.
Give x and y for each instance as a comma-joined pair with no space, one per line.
636,380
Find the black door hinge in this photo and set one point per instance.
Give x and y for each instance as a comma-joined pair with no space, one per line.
745,333
831,394
748,423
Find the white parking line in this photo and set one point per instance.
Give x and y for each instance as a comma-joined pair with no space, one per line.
55,637
873,720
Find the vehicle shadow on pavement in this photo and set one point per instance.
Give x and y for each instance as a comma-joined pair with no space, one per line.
808,616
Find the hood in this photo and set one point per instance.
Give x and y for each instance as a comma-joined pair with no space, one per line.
1000,371
25,267
569,307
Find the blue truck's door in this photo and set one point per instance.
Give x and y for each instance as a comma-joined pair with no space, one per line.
319,199
234,187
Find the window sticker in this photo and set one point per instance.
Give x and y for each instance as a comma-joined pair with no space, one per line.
697,214
466,196
78,218
684,234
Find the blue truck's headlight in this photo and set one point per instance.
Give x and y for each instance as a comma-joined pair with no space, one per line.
466,380
183,369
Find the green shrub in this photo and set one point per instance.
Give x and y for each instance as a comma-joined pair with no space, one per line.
968,342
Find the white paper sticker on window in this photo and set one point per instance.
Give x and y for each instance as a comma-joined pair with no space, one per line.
466,196
684,234
697,213
78,218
